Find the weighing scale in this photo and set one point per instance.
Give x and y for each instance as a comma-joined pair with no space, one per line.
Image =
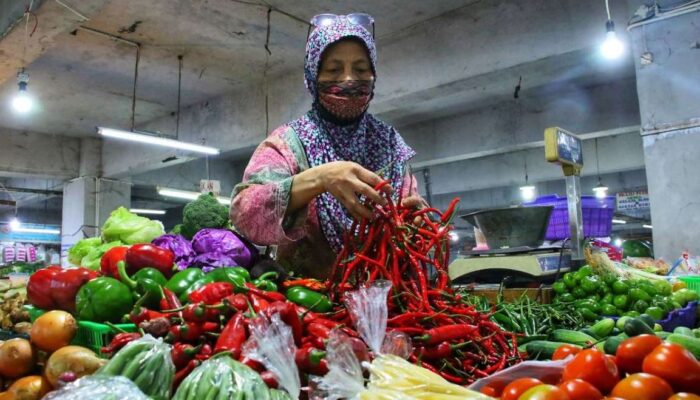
533,262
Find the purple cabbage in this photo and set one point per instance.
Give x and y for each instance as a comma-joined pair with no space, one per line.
221,248
181,247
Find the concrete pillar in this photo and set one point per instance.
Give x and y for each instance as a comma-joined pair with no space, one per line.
667,56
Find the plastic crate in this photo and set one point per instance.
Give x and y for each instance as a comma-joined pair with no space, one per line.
597,216
686,316
692,282
90,334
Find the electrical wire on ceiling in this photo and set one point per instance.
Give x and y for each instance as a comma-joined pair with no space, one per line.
268,53
654,13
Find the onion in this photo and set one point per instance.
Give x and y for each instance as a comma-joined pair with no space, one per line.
31,387
16,358
75,360
53,330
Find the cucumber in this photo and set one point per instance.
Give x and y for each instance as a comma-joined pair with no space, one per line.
620,324
603,328
647,319
682,330
613,342
590,333
541,349
635,326
662,334
690,343
696,332
527,339
572,337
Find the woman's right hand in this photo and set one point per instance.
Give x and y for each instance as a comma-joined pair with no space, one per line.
346,180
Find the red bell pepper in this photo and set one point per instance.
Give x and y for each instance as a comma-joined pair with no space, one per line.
54,287
147,255
110,259
211,293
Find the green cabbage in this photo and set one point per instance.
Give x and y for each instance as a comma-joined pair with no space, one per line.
130,228
81,249
93,258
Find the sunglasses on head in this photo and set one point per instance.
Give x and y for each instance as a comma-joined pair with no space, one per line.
319,21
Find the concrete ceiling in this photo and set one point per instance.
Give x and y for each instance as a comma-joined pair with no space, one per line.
81,79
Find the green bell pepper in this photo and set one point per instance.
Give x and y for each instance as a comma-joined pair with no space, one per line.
103,299
151,273
148,288
266,281
182,281
231,275
304,297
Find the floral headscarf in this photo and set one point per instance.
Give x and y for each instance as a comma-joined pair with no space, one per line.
369,142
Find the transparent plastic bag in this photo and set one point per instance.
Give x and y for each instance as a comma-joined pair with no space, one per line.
272,344
344,379
368,310
98,387
223,377
147,363
526,369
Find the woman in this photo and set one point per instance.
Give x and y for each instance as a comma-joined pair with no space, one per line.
308,179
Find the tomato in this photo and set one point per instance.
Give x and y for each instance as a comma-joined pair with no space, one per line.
684,396
642,386
564,351
494,388
631,352
578,389
544,392
676,365
518,387
594,367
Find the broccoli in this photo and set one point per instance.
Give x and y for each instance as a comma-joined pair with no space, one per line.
205,212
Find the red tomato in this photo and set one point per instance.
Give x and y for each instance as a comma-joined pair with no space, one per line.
544,392
550,379
675,365
594,367
642,386
684,396
631,352
578,389
565,350
514,389
494,388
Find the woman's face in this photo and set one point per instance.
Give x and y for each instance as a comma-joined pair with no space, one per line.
345,60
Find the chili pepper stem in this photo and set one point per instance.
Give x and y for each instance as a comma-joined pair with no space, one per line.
115,328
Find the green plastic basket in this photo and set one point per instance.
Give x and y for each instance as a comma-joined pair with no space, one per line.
693,282
94,336
90,334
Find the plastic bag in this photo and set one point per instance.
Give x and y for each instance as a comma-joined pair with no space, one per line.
147,363
368,310
223,377
130,228
344,379
97,387
272,344
526,369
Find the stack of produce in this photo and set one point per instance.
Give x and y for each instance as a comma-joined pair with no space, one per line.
13,318
31,368
598,295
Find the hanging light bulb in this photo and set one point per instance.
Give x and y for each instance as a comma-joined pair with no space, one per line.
600,190
14,224
22,103
612,47
527,192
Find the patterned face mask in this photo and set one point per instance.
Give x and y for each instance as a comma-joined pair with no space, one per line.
346,100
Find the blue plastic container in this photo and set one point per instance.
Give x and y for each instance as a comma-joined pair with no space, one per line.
597,216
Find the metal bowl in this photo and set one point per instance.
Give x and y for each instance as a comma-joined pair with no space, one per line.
512,227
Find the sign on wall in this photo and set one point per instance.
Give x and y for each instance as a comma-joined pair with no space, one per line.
638,200
210,186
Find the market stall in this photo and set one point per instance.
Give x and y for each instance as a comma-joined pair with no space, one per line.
201,314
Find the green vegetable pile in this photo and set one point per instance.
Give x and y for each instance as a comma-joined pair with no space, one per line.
205,212
608,295
88,252
130,228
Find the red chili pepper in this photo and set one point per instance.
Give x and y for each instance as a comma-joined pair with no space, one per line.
120,340
450,210
191,331
170,301
232,336
288,314
141,314
55,287
259,304
311,360
183,353
205,353
236,301
447,333
316,329
313,284
211,293
267,295
270,379
194,312
252,364
147,255
182,373
110,259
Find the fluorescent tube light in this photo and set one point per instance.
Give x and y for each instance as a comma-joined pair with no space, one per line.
619,221
147,211
38,230
14,224
647,226
188,195
155,140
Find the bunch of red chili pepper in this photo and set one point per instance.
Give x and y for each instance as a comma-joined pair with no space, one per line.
407,246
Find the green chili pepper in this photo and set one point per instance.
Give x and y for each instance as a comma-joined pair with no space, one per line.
148,288
314,301
183,280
